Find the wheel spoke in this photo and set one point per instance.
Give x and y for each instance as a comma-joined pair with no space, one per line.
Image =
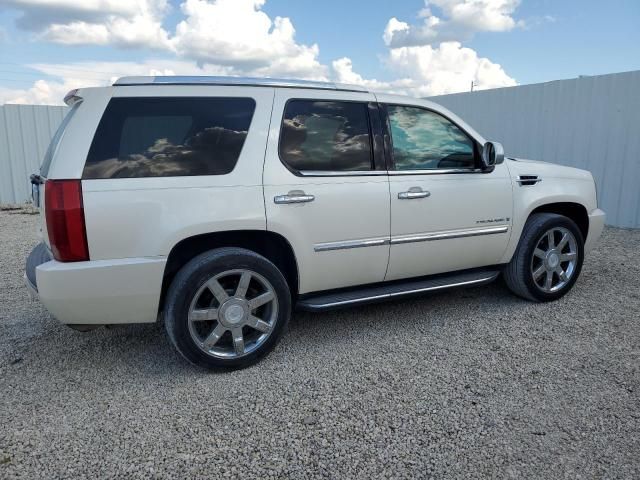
539,253
203,314
260,325
217,290
539,271
260,300
567,257
238,341
563,241
550,240
548,280
562,274
214,336
243,285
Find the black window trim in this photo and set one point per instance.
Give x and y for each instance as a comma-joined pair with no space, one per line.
388,146
378,164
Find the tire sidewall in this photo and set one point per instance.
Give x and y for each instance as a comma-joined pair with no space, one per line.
187,283
527,254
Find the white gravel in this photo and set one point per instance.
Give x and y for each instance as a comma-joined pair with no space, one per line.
465,384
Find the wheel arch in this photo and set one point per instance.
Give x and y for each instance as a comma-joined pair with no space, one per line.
572,210
270,245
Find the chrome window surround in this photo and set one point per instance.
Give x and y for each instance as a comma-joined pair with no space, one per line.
402,239
366,173
436,171
353,173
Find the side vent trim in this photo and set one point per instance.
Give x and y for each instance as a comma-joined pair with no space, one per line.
528,180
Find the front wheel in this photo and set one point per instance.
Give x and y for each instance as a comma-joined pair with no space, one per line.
227,308
548,259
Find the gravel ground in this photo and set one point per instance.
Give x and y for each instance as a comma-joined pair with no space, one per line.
465,384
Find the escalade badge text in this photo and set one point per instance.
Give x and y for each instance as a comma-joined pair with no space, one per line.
494,220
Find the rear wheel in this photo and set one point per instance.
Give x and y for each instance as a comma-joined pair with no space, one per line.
227,308
548,259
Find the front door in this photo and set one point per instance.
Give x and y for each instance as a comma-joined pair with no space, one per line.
446,214
325,189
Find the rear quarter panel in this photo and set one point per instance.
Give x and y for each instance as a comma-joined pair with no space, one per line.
146,217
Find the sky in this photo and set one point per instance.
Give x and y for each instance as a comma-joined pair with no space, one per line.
415,47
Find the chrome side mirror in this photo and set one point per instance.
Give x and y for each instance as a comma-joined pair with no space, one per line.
492,154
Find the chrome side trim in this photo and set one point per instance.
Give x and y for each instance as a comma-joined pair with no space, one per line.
488,278
427,237
435,171
424,237
370,242
352,173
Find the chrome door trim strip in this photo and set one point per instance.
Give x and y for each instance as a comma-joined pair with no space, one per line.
368,242
427,237
488,278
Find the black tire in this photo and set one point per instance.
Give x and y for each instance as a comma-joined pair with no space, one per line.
518,272
190,280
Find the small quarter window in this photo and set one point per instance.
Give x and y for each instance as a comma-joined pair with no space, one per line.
425,140
169,137
326,136
48,156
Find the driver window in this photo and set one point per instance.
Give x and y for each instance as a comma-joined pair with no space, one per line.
425,140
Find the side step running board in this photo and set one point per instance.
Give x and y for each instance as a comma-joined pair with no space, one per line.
381,292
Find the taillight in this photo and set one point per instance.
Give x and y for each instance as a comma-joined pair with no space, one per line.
65,220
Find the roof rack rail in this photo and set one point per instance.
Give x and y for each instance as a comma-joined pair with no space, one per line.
246,81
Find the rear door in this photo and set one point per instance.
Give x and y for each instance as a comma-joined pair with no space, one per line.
326,188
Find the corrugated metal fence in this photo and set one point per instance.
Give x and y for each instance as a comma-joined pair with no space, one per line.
25,132
588,122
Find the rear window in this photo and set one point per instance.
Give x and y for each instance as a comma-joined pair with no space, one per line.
326,136
169,137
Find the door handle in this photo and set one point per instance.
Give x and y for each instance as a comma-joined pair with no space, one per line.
294,196
414,192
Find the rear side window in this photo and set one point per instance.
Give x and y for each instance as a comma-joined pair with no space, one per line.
169,137
51,150
326,136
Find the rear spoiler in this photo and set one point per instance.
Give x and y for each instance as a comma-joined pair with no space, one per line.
72,97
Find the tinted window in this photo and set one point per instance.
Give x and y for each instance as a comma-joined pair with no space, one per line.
48,156
326,136
424,140
167,137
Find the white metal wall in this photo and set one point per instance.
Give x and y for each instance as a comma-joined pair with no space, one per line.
25,132
588,122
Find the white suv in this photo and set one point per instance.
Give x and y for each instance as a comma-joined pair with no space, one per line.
219,204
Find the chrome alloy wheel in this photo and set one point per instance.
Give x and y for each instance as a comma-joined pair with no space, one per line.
233,313
554,259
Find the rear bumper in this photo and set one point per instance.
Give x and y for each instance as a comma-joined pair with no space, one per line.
596,225
99,292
